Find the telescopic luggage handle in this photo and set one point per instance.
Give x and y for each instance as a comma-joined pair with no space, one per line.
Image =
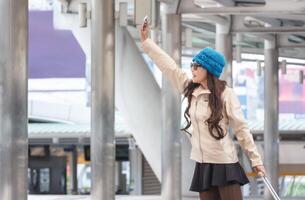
269,186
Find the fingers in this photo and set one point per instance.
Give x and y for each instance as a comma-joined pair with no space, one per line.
144,26
145,22
144,33
264,172
261,173
144,29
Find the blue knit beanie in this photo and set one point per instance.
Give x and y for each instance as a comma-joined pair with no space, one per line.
211,60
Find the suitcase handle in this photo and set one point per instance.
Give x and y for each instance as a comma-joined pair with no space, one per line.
269,186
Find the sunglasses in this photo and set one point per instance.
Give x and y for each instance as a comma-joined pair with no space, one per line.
195,65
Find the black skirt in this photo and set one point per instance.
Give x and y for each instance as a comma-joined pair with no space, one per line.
207,175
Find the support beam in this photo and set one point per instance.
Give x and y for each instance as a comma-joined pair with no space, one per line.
224,45
290,41
271,7
209,34
239,26
271,112
171,114
205,18
282,40
13,99
102,109
226,2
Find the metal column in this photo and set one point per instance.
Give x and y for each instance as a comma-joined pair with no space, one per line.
102,109
13,99
74,169
171,113
224,45
271,133
135,158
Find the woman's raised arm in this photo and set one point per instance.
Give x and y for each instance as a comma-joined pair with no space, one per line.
164,62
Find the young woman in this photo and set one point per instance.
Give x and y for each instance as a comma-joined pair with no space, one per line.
212,108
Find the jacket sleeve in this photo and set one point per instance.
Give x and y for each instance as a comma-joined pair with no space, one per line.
166,64
241,129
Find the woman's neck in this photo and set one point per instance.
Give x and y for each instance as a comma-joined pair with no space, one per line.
204,84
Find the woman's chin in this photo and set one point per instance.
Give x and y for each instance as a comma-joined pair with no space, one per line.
194,80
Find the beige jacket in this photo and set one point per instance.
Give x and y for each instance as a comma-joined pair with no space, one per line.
204,147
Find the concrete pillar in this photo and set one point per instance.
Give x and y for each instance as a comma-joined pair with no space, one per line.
224,45
135,158
171,106
13,99
102,109
74,170
116,176
271,133
119,176
155,31
239,40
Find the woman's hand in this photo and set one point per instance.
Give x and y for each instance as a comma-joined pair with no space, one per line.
260,170
145,29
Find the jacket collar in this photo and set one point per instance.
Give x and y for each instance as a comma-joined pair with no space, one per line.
201,90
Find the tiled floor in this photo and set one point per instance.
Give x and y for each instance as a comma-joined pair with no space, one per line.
125,197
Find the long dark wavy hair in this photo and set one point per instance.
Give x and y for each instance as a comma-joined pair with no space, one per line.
216,86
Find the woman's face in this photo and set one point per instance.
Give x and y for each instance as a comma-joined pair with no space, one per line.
199,74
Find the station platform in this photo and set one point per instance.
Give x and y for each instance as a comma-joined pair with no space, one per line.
123,197
80,197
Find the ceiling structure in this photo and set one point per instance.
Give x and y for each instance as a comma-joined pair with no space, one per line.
253,19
